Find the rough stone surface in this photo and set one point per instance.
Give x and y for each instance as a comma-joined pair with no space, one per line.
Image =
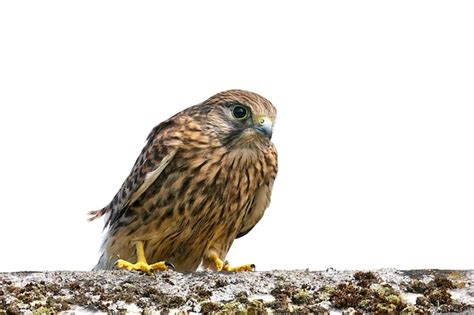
299,291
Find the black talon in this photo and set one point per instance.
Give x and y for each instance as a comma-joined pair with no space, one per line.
115,263
170,265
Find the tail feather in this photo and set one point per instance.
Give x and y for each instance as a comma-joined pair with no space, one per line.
101,264
96,214
105,262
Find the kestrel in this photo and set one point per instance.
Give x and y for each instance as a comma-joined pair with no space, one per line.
203,179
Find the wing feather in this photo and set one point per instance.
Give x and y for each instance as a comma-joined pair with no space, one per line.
260,203
151,177
154,158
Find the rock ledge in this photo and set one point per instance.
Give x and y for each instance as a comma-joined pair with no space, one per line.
301,291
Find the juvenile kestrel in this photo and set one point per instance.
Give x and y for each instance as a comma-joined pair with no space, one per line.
203,179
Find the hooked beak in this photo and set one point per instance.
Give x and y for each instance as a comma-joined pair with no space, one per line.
264,125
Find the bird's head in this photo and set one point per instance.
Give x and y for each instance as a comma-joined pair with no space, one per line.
241,118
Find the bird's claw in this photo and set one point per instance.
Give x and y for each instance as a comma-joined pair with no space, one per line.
225,266
145,267
170,266
228,268
142,264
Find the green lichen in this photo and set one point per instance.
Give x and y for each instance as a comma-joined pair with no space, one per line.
210,307
256,307
44,311
394,299
385,308
301,296
325,292
381,299
231,308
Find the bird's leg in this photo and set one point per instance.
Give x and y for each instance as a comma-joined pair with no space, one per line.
224,265
142,264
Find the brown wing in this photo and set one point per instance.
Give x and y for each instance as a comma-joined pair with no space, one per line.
260,203
155,156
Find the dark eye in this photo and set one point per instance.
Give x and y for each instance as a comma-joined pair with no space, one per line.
240,112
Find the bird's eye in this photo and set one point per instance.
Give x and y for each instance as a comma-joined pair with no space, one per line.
240,112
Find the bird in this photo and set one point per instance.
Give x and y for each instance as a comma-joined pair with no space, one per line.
203,179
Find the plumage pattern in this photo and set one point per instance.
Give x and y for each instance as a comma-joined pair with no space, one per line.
204,178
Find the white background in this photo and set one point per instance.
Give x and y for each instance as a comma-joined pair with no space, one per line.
375,122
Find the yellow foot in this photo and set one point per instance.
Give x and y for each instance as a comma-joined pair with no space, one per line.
141,264
248,267
220,266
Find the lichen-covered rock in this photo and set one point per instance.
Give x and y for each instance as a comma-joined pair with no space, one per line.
380,291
